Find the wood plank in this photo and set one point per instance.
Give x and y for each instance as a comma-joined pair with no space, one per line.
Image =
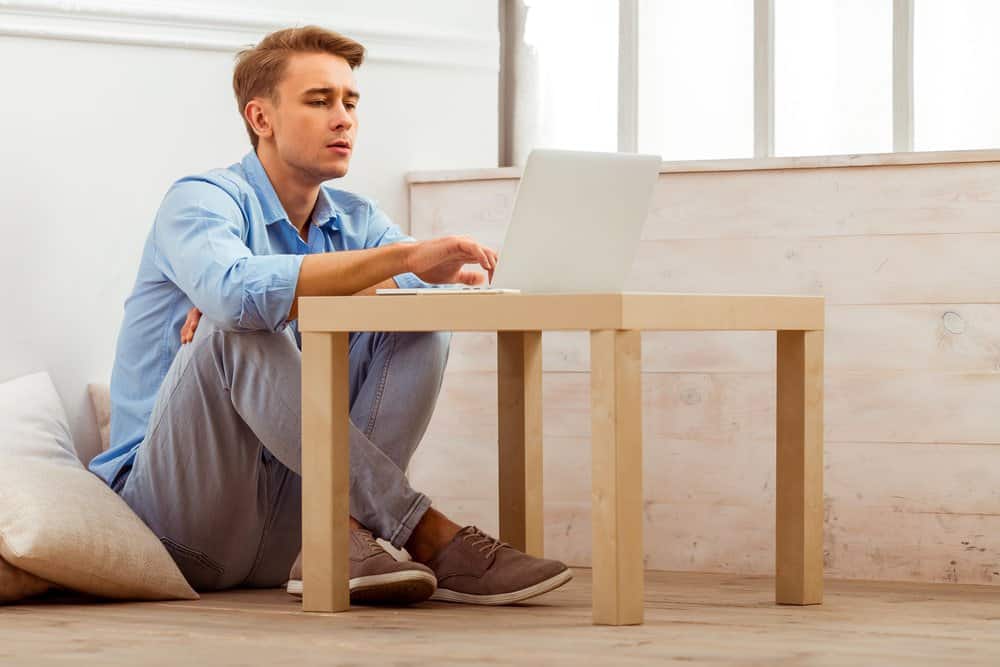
485,207
437,310
946,338
471,312
904,406
519,400
858,475
889,406
887,623
743,164
737,538
713,312
616,451
921,337
325,472
937,268
791,204
799,476
798,204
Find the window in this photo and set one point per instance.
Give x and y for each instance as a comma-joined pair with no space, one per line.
826,72
574,48
956,92
696,78
832,76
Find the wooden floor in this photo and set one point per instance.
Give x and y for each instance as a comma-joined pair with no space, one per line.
700,618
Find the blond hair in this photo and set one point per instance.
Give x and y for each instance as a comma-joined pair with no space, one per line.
259,69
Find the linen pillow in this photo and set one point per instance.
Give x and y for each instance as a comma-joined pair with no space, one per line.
16,584
63,524
100,398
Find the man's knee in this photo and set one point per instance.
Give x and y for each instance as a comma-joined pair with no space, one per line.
249,340
229,350
434,345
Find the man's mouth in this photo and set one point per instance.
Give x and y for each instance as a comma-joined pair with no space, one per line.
343,147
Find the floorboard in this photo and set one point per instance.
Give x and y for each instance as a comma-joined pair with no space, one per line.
702,618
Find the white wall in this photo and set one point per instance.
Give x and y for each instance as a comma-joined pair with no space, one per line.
104,104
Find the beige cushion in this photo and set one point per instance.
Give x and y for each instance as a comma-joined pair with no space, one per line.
100,398
61,523
16,584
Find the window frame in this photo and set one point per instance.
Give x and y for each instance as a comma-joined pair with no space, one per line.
510,11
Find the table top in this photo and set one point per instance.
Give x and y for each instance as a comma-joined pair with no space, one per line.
643,311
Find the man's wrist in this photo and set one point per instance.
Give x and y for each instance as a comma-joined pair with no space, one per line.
405,253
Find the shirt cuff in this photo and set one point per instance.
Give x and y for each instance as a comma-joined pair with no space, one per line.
269,292
410,281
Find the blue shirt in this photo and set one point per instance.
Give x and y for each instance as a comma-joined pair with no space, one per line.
221,241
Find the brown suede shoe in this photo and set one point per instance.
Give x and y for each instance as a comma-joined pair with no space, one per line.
477,569
376,577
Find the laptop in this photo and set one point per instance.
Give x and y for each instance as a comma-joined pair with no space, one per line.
575,226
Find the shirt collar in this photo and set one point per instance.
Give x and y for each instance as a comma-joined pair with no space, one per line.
325,211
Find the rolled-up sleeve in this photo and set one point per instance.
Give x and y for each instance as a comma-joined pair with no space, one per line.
200,235
383,231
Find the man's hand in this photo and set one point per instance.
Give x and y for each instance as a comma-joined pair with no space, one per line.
190,324
441,261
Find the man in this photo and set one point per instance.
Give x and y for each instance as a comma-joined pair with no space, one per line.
206,436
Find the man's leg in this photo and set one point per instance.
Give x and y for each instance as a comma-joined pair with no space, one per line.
395,379
393,405
217,477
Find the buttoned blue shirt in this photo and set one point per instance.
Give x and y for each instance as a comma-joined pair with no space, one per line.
221,241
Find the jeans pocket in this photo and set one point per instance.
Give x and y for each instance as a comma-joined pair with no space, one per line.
203,573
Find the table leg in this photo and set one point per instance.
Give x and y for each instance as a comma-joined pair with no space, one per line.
325,472
616,446
519,397
799,503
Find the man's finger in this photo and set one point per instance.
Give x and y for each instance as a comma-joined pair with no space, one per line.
470,278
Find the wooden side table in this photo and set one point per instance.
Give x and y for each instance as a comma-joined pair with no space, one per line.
615,322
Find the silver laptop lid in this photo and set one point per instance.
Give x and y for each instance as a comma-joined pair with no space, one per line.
576,221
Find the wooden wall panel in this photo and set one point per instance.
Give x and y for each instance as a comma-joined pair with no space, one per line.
947,338
804,203
906,256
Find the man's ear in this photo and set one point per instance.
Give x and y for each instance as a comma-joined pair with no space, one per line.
258,114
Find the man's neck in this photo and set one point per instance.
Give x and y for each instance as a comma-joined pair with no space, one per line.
296,192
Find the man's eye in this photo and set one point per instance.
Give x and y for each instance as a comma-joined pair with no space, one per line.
351,106
318,102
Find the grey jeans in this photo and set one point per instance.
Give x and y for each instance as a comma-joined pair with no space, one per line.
218,475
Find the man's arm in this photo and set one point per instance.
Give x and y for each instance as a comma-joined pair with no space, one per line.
382,231
199,239
435,261
199,233
348,272
194,315
388,284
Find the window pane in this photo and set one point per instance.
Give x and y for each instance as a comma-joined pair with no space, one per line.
832,76
696,78
575,47
956,55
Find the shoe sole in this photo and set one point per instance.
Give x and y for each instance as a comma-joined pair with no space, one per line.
550,584
407,587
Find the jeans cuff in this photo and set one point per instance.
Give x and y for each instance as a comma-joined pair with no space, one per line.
409,521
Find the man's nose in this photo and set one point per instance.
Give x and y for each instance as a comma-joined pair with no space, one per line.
342,119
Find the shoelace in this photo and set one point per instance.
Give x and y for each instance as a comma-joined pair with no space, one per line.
369,540
487,545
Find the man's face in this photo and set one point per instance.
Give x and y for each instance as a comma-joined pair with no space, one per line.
315,119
